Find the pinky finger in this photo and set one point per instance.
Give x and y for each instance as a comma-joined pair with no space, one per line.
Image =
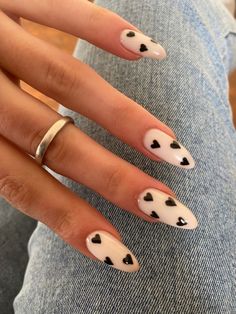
31,189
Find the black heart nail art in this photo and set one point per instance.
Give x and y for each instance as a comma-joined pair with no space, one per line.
175,145
148,197
154,214
108,261
96,239
153,41
181,222
130,34
155,144
184,162
143,48
170,202
128,259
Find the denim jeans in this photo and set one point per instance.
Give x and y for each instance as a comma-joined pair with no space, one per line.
182,271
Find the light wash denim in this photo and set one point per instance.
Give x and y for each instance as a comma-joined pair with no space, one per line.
182,271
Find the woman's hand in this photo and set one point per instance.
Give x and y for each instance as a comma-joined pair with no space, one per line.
24,120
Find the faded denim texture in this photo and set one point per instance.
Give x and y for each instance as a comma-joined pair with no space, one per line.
182,271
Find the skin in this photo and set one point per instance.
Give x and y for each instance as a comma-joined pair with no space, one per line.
24,120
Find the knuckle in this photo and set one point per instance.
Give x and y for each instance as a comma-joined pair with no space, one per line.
15,191
60,79
114,180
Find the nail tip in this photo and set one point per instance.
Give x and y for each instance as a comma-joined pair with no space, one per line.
162,53
141,44
190,227
159,54
193,222
191,162
186,162
166,209
133,270
101,244
195,225
167,149
190,166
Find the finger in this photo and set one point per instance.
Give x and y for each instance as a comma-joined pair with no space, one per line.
75,155
14,79
50,70
86,20
36,193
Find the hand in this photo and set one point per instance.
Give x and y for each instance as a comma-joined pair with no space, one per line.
24,120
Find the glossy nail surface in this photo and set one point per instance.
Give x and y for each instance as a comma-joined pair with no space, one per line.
142,44
168,149
163,208
111,251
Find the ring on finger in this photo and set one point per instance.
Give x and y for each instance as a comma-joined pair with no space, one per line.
49,136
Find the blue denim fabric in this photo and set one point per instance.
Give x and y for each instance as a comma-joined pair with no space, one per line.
182,271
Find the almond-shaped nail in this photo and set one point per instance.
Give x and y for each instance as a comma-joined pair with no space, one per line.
166,209
111,251
168,149
141,44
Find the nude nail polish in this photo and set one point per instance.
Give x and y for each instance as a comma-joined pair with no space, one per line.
166,209
111,251
168,149
141,44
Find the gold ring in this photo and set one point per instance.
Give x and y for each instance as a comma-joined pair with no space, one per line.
49,136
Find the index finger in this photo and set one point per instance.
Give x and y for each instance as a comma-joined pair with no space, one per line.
86,20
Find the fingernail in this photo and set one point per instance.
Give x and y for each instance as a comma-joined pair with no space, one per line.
142,44
168,149
166,209
111,251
